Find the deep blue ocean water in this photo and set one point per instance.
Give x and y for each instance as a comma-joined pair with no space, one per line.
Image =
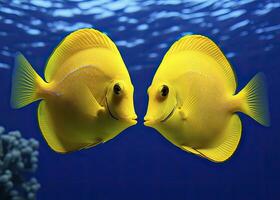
139,163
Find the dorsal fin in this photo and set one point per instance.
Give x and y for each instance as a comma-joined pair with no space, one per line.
207,46
79,40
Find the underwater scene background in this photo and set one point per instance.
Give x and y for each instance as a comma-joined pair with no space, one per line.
140,163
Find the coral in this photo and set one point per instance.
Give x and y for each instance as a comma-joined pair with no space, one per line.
18,158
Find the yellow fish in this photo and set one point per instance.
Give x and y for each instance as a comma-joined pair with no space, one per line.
87,98
193,101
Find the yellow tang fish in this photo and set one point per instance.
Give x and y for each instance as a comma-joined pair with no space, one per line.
193,101
87,98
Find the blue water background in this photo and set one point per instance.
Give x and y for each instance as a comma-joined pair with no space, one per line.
140,163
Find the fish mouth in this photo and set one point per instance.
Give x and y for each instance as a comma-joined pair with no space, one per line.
149,122
129,120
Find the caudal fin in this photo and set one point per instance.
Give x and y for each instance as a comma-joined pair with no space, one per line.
255,100
24,83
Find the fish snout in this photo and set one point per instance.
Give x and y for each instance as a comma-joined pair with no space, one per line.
130,119
149,121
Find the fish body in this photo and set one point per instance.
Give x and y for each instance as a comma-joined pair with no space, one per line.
87,98
199,112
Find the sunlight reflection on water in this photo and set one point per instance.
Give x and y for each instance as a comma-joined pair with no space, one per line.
133,25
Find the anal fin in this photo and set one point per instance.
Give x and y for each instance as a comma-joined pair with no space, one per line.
50,129
224,151
189,149
63,131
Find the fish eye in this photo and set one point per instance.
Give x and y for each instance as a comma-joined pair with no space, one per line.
164,91
117,89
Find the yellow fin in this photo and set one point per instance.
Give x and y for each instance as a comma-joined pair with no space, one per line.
94,144
224,151
79,40
191,150
24,84
194,78
192,98
255,100
187,106
83,100
207,46
48,129
89,104
54,130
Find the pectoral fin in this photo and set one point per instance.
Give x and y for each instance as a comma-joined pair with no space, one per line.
84,100
187,107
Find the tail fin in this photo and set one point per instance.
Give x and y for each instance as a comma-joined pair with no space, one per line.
255,100
24,83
